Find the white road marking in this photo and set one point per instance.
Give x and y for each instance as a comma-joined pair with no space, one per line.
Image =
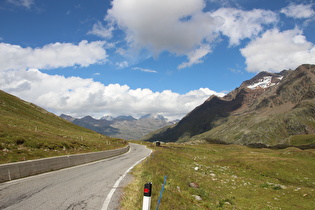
111,193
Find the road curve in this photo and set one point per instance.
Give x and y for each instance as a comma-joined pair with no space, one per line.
88,186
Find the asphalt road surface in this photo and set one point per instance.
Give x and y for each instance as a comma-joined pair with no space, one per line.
89,186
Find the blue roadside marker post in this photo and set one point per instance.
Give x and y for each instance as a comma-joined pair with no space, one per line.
161,193
147,196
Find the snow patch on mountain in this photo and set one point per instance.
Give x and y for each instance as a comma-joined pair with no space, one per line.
108,118
265,82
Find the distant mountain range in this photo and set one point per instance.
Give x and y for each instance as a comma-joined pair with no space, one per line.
125,127
268,109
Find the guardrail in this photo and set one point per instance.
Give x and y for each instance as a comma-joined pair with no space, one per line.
18,170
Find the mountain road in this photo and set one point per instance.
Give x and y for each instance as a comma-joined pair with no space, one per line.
89,186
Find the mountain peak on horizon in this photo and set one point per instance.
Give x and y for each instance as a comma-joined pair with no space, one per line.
125,117
153,116
123,126
107,117
267,109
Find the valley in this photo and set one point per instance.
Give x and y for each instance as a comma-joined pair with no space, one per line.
212,101
125,127
207,158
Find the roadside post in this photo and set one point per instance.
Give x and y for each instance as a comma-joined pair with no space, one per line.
147,196
161,193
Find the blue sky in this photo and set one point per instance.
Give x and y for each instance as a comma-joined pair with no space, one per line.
133,57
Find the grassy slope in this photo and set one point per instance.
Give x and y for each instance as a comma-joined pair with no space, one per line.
229,177
270,129
302,140
29,132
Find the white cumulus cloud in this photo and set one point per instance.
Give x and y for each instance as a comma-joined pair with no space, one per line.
240,24
178,26
276,50
102,31
298,11
80,97
183,27
52,55
196,56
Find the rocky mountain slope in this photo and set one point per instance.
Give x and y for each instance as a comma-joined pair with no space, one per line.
125,127
268,109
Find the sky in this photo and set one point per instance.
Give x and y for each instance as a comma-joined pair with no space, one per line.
137,57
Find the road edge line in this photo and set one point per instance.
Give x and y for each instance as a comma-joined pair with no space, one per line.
111,193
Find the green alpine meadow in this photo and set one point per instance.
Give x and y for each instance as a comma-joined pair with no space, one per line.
30,132
216,176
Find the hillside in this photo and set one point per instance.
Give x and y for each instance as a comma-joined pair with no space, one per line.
268,109
29,132
125,127
213,176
